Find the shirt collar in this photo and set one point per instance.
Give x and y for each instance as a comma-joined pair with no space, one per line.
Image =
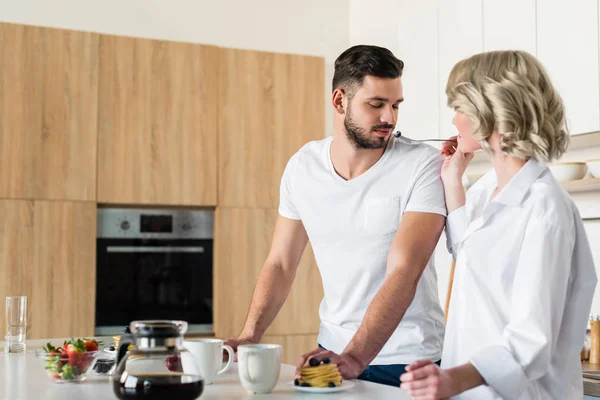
517,188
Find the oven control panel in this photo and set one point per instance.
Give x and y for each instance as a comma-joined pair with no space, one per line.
155,223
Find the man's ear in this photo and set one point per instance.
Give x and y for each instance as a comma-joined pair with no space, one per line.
337,99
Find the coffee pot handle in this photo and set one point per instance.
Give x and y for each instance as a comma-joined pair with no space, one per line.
124,343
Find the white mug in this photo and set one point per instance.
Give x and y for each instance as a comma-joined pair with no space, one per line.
258,366
208,354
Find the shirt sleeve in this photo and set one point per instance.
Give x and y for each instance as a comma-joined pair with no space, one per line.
427,194
287,207
456,225
537,301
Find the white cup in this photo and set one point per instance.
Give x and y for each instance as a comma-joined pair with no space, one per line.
208,354
258,366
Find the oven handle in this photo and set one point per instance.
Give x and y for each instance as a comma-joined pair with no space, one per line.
154,249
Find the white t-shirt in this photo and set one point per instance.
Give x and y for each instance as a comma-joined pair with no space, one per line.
351,225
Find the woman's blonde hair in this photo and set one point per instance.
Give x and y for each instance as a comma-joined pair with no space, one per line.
510,93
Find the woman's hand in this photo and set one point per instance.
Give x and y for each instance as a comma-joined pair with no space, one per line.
424,380
455,163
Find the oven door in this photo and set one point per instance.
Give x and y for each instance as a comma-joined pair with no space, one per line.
140,279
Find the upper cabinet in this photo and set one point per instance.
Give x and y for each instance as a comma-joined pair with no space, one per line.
269,106
157,122
509,25
48,113
417,115
567,45
460,36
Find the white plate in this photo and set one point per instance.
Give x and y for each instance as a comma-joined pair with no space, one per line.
110,351
344,386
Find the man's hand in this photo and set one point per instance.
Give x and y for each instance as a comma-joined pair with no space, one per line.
234,343
424,380
348,366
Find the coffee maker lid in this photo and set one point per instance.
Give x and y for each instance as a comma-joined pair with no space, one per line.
158,329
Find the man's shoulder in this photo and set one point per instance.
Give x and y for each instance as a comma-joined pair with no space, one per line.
315,146
311,151
414,156
415,150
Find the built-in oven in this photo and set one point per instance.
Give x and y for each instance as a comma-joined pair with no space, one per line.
154,264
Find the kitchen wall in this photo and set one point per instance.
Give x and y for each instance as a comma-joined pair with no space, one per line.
431,35
268,25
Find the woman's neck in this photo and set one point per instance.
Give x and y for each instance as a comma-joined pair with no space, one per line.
506,167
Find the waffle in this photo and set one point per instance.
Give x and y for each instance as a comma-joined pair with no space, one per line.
321,376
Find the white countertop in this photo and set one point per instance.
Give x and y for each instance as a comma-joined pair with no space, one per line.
22,377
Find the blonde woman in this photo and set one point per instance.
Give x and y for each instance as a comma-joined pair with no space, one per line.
524,276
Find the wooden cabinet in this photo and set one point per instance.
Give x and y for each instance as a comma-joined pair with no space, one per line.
292,346
269,106
47,252
157,128
242,242
48,113
567,45
460,36
418,115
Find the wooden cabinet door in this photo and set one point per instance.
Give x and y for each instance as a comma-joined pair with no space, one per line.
48,113
157,122
242,242
47,252
270,105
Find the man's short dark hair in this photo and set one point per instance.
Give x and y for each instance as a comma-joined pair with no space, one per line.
354,64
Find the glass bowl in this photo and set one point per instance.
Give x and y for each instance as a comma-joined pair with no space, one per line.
62,367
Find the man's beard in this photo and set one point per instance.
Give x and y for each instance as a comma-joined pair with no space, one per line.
360,138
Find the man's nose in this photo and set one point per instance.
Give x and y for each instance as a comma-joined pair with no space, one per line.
388,116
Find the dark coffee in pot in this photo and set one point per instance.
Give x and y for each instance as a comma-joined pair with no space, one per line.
159,387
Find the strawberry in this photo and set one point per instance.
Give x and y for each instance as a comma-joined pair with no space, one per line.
91,345
76,354
173,364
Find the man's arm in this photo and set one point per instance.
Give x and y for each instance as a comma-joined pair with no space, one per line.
409,253
275,278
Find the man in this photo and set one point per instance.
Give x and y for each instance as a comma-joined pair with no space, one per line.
373,209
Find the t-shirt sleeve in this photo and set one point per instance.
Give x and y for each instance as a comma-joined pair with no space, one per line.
287,207
427,194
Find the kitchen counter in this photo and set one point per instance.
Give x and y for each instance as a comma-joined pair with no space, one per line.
22,377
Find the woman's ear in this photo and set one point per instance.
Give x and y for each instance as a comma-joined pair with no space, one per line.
337,99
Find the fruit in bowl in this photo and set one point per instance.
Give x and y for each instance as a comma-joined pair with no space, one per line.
69,362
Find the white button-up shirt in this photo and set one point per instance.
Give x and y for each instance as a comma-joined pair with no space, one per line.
523,287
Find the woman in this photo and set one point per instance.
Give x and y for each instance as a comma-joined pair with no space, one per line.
524,277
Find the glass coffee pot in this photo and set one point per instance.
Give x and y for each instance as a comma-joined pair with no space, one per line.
158,367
